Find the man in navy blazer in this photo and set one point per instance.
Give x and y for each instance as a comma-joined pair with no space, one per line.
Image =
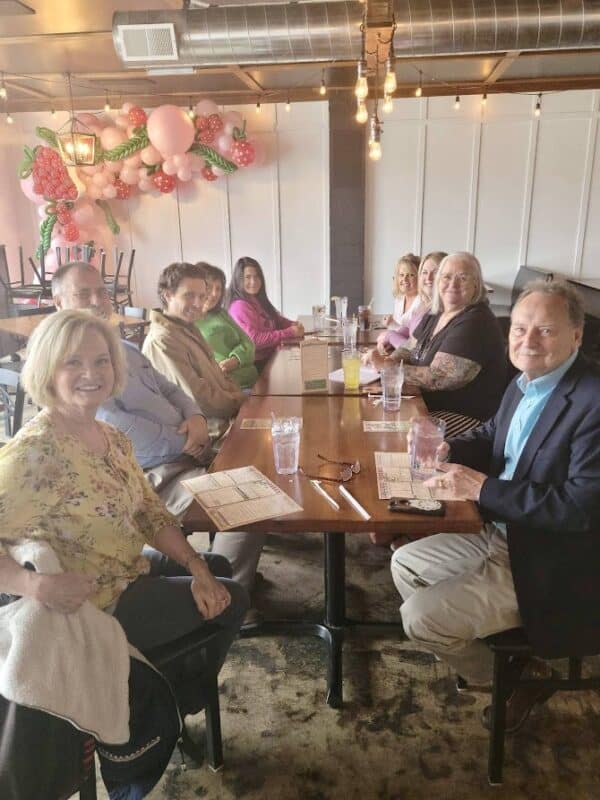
534,470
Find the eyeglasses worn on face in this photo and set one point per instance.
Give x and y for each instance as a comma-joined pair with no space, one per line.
86,294
463,278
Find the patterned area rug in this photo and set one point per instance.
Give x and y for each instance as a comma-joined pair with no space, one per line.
404,732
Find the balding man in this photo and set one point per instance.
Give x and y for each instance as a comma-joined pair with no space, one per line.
167,428
534,470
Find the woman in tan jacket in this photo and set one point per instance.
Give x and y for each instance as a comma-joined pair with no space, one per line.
176,347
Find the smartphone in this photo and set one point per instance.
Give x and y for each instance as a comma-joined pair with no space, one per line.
430,508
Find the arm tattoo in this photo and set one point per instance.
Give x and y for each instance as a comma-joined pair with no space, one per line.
403,353
444,372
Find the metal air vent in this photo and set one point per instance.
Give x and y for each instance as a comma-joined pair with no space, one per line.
150,42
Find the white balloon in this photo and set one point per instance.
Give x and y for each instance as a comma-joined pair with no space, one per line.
206,107
109,192
169,167
184,174
121,121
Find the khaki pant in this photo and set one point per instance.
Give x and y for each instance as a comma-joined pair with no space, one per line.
457,588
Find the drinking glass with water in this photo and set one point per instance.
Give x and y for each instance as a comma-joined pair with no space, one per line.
318,314
285,435
392,378
426,436
349,332
341,307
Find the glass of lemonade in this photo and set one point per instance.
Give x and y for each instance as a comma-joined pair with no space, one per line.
351,367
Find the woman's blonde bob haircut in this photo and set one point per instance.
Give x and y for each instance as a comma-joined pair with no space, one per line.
410,260
470,263
54,340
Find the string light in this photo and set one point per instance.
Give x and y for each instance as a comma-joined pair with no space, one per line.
190,111
457,102
107,105
419,89
53,113
361,90
258,108
3,92
390,84
288,105
9,119
362,115
538,105
375,138
484,98
388,104
323,87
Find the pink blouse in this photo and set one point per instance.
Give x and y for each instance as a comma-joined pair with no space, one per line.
265,331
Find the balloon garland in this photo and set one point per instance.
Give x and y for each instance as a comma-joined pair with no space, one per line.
135,152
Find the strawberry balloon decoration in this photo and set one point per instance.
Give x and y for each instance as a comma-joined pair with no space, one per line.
208,174
137,116
215,123
242,152
164,183
123,189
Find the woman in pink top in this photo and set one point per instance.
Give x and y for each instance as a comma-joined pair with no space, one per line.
254,313
415,306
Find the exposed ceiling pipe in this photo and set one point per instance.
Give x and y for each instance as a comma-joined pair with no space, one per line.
330,31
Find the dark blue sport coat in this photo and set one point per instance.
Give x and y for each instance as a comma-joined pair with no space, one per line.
552,510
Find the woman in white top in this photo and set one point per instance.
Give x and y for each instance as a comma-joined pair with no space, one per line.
404,289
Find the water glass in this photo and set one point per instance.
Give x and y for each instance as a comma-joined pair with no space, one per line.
349,331
285,435
341,307
364,317
318,314
392,379
427,436
351,367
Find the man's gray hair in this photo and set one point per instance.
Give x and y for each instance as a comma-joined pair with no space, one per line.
557,288
61,273
472,263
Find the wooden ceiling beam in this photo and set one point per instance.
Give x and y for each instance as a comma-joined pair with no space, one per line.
501,67
248,80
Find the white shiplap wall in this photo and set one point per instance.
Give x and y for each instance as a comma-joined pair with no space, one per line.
277,212
513,188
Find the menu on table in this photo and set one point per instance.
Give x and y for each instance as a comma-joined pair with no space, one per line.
235,498
314,365
394,479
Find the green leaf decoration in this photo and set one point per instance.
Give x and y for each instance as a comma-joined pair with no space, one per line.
46,235
213,158
138,141
48,136
25,167
240,133
110,220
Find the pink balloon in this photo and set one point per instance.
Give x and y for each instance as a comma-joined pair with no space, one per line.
95,192
233,118
86,121
100,179
27,189
130,130
126,108
206,107
170,130
184,174
84,235
169,167
83,214
112,137
41,210
109,192
134,161
129,176
145,185
260,153
151,156
50,262
92,170
122,122
224,143
113,166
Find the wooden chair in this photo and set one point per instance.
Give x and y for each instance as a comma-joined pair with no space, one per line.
13,401
134,333
507,646
119,285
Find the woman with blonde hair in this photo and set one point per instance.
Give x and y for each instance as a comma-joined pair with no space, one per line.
397,337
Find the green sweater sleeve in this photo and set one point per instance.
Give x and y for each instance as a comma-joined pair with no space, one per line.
226,338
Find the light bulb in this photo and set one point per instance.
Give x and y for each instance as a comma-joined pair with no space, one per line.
190,112
418,91
258,109
288,106
388,104
538,106
322,89
457,102
53,113
9,119
390,83
107,106
375,151
3,92
361,90
362,115
484,98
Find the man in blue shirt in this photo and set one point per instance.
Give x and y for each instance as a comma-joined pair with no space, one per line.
534,470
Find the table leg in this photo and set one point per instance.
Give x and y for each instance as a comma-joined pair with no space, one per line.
335,612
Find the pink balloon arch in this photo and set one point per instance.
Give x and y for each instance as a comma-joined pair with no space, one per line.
135,153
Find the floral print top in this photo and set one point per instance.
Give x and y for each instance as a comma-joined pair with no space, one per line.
95,511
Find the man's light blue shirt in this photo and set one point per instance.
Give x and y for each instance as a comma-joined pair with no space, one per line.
536,394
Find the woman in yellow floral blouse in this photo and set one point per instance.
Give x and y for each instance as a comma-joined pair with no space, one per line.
73,482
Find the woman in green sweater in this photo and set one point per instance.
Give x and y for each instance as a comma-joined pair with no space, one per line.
232,348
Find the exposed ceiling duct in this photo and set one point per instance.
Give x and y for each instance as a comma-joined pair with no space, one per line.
330,31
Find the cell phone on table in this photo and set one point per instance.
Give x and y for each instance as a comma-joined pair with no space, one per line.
411,505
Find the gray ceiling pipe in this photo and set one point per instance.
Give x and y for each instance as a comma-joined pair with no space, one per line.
330,31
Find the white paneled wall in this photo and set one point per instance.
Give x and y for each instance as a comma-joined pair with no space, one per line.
513,188
277,212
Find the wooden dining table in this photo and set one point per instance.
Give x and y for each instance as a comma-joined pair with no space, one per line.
332,332
332,425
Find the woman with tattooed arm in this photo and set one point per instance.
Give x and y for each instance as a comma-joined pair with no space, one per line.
456,356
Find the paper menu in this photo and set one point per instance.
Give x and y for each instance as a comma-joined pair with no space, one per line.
395,480
314,365
385,426
237,497
367,375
